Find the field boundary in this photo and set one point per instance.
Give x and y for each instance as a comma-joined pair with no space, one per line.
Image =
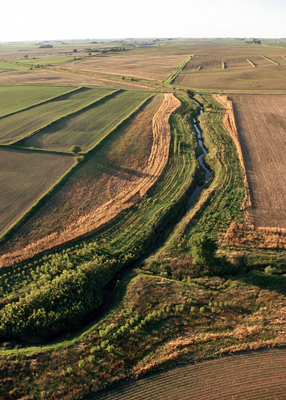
170,78
43,102
101,100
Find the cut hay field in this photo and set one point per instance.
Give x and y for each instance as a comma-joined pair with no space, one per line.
261,124
253,375
87,127
145,65
14,99
19,125
24,178
116,168
239,74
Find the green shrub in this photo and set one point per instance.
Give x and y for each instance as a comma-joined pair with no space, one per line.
270,270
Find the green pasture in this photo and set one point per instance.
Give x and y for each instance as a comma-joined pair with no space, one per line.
88,127
11,67
16,98
23,123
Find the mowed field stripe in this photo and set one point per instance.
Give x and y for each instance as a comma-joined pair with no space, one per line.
244,376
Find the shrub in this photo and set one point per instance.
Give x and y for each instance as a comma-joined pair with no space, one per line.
270,270
75,149
203,249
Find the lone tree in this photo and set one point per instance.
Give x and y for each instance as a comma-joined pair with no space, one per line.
203,249
75,149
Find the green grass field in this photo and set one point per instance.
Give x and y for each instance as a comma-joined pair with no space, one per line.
4,66
87,128
22,124
16,98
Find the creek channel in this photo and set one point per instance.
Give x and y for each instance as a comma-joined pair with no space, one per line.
108,295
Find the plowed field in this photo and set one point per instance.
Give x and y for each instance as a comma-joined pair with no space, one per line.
261,125
256,375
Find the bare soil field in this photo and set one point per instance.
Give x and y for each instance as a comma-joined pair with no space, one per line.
253,375
261,125
152,66
24,177
89,200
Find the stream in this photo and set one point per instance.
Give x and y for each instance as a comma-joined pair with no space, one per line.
108,295
109,291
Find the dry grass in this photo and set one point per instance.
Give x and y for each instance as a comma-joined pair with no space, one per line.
261,125
84,222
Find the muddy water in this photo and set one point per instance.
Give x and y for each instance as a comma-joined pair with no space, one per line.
198,189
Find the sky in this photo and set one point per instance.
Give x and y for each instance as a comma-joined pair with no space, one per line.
29,20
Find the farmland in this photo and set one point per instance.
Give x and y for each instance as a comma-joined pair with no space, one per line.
22,184
27,123
239,74
87,127
126,258
114,169
213,380
261,124
13,99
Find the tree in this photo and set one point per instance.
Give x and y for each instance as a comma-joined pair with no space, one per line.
203,249
75,149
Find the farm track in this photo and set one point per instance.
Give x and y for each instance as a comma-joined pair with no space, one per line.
244,376
157,161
